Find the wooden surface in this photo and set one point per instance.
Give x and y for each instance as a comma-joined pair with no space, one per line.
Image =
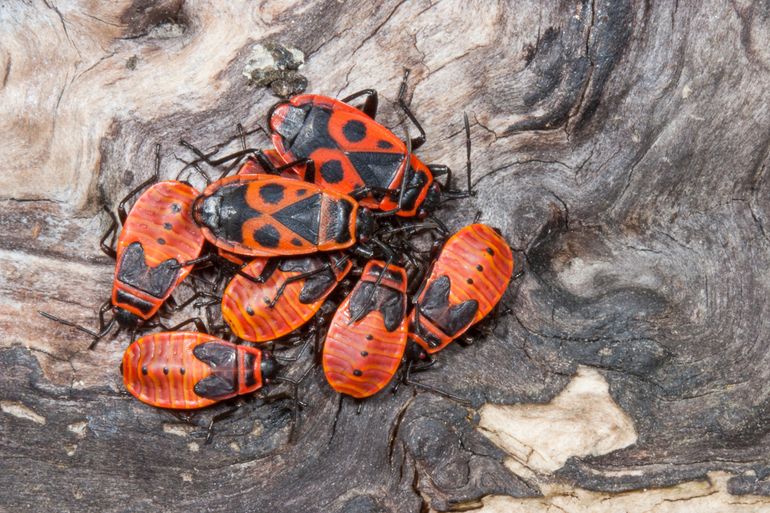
620,146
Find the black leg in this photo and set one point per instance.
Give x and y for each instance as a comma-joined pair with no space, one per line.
206,157
211,302
289,359
442,228
363,192
241,134
408,170
96,336
106,307
370,103
218,417
109,234
182,416
297,404
195,167
438,170
171,306
103,333
205,258
468,153
298,277
318,343
409,229
417,141
199,325
448,395
267,271
69,323
154,178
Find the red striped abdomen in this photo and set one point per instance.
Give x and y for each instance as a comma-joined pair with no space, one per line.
360,359
245,304
161,370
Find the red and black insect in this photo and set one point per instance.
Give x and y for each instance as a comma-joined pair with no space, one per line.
466,281
367,336
252,166
263,216
189,370
292,291
157,235
354,154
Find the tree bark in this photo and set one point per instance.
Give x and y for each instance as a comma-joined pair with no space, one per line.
620,146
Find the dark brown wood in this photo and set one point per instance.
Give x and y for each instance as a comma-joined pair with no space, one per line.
620,146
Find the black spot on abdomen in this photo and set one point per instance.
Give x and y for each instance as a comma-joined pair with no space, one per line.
331,171
271,193
354,130
267,236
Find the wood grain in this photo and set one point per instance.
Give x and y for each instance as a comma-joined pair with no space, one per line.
620,146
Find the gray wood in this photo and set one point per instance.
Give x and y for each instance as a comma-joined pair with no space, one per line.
620,146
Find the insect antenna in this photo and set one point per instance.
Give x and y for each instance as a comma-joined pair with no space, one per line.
289,359
297,403
93,334
409,381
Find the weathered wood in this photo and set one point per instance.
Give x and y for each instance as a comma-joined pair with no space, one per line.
621,147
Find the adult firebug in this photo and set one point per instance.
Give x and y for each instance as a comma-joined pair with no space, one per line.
354,154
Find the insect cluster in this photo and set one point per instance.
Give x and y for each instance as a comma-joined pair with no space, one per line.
314,239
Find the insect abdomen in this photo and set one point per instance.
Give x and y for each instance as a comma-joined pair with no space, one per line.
161,370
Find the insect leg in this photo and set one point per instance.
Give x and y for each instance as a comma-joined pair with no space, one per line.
409,381
197,170
287,359
417,141
219,416
106,306
154,178
297,403
199,325
298,277
109,234
370,103
363,192
453,194
197,295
